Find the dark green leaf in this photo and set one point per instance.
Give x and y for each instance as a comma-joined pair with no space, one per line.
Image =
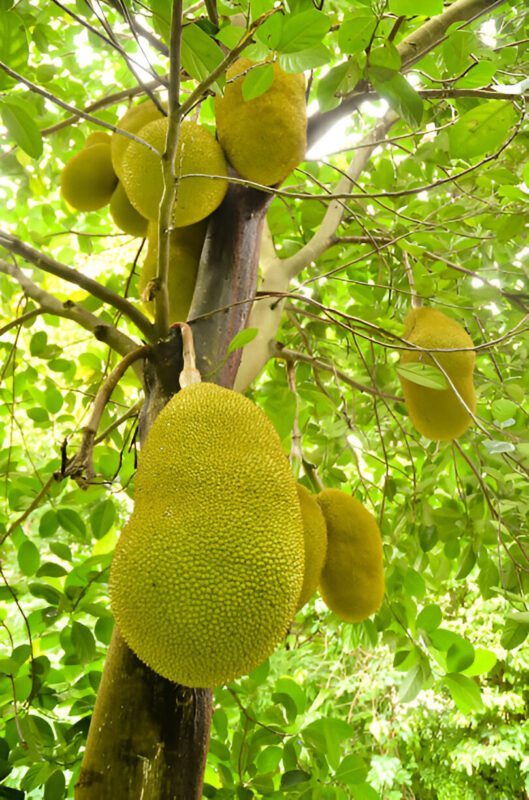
355,34
351,770
28,557
302,31
481,130
401,97
429,618
294,778
460,655
102,517
200,54
83,642
71,522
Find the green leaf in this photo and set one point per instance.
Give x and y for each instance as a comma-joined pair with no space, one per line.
256,82
22,129
48,524
304,60
465,693
401,97
200,54
484,661
71,522
242,338
55,786
426,8
28,557
429,618
423,374
46,592
351,770
384,62
288,686
413,682
460,655
102,517
294,778
302,31
83,642
355,34
514,634
14,50
481,130
326,735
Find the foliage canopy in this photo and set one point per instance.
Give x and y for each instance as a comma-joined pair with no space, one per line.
415,184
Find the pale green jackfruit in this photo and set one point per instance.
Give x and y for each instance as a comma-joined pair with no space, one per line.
352,578
185,248
132,121
439,414
315,533
88,179
264,138
125,215
198,152
207,573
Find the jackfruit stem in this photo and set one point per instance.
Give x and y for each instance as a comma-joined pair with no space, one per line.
190,373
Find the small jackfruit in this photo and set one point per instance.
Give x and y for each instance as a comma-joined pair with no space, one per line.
198,152
439,414
132,121
264,138
97,137
88,179
207,573
125,215
352,578
315,533
185,248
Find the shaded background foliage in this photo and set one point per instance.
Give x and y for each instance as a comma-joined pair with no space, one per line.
429,697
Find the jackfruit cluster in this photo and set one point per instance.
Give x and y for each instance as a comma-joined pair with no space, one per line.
440,414
207,573
343,554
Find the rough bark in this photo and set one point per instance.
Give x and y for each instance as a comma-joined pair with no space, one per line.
148,737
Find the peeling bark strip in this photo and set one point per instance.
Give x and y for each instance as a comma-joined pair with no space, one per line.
227,277
148,737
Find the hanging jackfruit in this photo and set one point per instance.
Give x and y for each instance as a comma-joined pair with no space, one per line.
185,248
352,578
97,137
198,152
315,534
207,573
264,138
125,215
132,121
88,178
439,414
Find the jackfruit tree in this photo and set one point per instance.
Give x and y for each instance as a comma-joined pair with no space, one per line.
264,516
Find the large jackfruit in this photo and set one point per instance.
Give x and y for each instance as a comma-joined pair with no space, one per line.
198,152
185,248
315,533
264,138
132,121
439,414
352,578
88,179
207,573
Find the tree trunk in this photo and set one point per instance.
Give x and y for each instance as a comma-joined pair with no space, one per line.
148,737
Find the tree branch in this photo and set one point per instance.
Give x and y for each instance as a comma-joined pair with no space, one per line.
102,331
278,273
81,467
48,264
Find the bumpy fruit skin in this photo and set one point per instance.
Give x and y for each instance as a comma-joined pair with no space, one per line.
352,579
315,533
207,573
132,121
88,179
125,215
185,248
264,138
198,152
438,414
